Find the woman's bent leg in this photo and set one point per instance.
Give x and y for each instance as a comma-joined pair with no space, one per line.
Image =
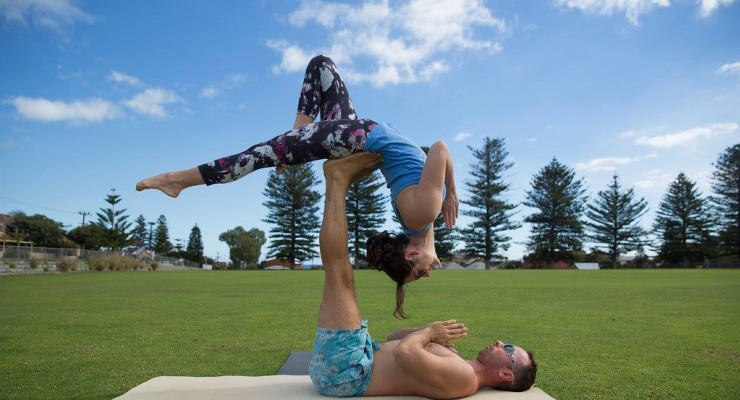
324,91
314,141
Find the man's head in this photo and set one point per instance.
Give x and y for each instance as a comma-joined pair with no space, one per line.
510,367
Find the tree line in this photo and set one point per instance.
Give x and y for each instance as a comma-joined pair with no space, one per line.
689,227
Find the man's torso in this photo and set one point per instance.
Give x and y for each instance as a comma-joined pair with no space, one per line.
389,378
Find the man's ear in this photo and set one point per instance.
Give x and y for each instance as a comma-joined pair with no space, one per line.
506,375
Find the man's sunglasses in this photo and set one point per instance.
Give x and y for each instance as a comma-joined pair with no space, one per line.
511,352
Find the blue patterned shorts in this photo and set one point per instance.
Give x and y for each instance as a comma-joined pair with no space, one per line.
342,361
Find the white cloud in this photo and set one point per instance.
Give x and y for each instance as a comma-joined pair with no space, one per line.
118,77
230,82
627,134
462,136
688,136
632,9
406,41
610,163
40,109
710,6
152,101
293,57
646,184
729,69
51,14
655,178
236,80
209,92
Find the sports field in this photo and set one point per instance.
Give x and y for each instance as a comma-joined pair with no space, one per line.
632,334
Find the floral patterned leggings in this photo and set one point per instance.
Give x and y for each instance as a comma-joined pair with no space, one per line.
338,134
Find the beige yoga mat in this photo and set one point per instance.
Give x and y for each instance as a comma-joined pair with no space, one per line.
269,388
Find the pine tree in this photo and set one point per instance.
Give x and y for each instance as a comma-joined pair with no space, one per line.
194,249
162,244
557,231
614,221
491,212
726,187
444,239
114,224
140,232
292,206
365,213
683,224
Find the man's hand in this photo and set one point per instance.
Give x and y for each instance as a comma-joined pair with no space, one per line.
450,208
442,332
352,168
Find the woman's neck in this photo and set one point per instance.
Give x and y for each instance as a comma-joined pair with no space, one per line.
426,239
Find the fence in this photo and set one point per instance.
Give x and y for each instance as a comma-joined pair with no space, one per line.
25,251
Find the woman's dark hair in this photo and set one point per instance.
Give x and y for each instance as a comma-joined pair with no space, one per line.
385,253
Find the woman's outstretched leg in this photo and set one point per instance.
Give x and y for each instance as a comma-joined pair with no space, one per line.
338,134
310,142
172,183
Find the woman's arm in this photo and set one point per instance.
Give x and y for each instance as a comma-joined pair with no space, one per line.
424,204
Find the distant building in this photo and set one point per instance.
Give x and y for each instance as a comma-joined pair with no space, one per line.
6,225
452,266
279,262
143,253
580,265
555,265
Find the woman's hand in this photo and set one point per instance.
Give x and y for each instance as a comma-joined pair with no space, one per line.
450,207
442,332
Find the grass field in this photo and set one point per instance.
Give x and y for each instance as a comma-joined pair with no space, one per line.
626,334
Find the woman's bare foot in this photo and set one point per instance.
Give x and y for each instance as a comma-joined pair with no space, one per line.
353,168
172,183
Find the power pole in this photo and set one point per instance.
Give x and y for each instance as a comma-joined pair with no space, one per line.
84,214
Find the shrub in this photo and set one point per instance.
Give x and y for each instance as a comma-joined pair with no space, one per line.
67,265
46,268
11,264
97,264
34,263
113,263
154,265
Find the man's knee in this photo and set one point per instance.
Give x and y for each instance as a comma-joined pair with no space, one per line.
340,278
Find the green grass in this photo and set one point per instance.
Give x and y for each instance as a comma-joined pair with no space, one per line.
636,334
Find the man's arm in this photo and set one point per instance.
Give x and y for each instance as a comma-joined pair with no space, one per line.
401,333
435,370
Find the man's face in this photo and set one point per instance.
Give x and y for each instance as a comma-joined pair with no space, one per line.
422,262
496,356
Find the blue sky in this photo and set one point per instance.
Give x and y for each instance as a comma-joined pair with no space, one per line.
97,95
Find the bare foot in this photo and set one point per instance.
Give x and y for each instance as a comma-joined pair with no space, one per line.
161,182
352,168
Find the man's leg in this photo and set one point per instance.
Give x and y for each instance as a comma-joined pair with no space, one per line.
339,309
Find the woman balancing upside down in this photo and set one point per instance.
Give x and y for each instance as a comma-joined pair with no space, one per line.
421,184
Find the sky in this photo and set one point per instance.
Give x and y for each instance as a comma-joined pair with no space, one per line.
98,95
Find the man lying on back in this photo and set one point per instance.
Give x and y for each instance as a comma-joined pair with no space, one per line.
347,362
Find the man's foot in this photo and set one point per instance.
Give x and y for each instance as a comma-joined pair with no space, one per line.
162,182
350,169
